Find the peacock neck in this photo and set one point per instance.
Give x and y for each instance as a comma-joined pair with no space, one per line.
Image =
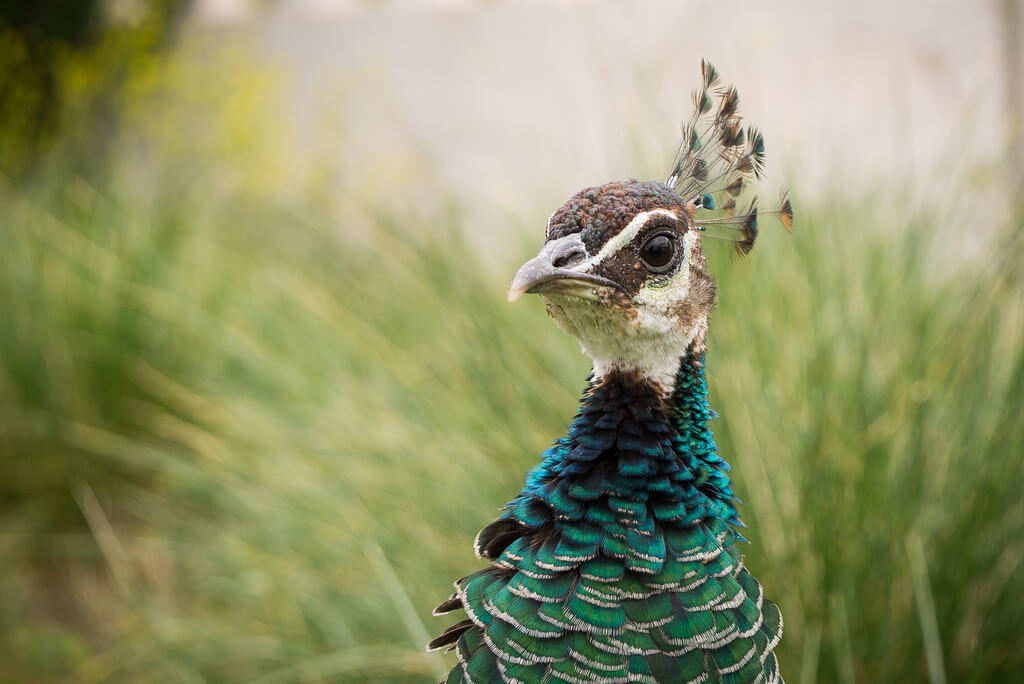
691,415
633,446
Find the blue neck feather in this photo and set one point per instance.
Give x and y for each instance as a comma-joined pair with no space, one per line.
631,451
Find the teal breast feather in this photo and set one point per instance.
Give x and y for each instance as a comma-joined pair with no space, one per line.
617,562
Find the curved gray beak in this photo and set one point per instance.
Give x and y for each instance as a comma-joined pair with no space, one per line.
551,272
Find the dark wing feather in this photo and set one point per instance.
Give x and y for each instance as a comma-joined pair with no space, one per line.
450,636
496,536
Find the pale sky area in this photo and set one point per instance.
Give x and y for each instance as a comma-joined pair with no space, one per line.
506,100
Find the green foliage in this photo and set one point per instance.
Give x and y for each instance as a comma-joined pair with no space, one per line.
301,402
869,377
242,440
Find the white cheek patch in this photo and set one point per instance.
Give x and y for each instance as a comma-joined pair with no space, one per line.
623,238
661,293
656,300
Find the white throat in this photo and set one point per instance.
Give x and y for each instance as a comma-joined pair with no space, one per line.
656,357
651,344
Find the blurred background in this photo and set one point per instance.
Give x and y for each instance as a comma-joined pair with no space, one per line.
259,386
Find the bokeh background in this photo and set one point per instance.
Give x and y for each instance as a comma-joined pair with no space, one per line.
259,386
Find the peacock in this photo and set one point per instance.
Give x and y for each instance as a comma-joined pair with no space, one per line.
619,559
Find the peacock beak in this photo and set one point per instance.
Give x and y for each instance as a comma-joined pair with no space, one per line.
554,271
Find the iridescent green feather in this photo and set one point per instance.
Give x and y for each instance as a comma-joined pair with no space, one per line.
642,581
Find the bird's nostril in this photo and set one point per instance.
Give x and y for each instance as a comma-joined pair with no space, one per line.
569,259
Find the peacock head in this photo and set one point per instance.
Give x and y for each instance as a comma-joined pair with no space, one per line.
622,268
622,271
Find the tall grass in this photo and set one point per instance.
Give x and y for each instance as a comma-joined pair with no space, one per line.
241,442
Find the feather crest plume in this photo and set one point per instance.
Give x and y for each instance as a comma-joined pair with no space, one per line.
716,161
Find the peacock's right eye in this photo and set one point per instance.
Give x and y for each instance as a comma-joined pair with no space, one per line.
658,253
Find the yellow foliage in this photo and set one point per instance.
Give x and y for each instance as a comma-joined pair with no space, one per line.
194,104
214,106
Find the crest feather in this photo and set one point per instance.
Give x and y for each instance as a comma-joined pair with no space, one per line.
716,161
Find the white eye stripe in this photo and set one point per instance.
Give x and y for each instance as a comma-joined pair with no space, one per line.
547,226
623,238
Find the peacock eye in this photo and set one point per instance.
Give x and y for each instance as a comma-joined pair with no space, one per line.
658,253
